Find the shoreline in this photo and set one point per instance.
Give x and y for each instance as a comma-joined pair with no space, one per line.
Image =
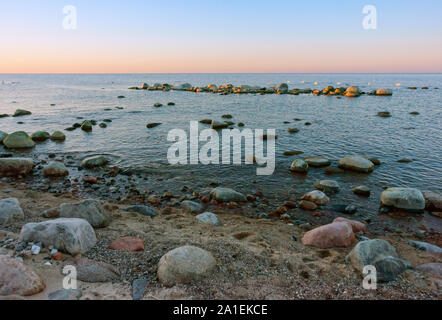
263,261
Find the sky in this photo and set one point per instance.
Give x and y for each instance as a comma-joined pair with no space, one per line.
229,36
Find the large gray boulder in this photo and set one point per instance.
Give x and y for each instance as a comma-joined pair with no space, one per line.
380,254
18,140
11,167
356,163
90,210
227,195
10,210
185,264
73,236
403,198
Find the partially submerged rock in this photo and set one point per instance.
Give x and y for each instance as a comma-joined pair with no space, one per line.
356,163
95,161
21,112
40,136
328,186
184,265
317,197
299,166
403,198
72,236
317,162
227,195
18,140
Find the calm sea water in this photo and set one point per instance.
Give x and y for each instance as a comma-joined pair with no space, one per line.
339,127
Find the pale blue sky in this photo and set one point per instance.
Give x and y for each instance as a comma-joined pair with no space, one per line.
221,36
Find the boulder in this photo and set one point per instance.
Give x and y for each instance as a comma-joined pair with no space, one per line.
90,210
143,210
21,112
72,236
55,169
425,246
433,201
58,136
95,161
307,205
384,92
86,126
18,279
317,197
431,268
327,186
362,191
10,210
299,166
356,163
403,198
209,218
334,235
317,162
2,136
283,88
352,92
128,244
18,140
93,271
380,254
191,206
227,195
11,167
184,265
40,136
217,125
65,294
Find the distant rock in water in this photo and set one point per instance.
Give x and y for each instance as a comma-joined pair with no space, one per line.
86,126
40,136
152,125
58,136
21,112
384,92
384,114
300,166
